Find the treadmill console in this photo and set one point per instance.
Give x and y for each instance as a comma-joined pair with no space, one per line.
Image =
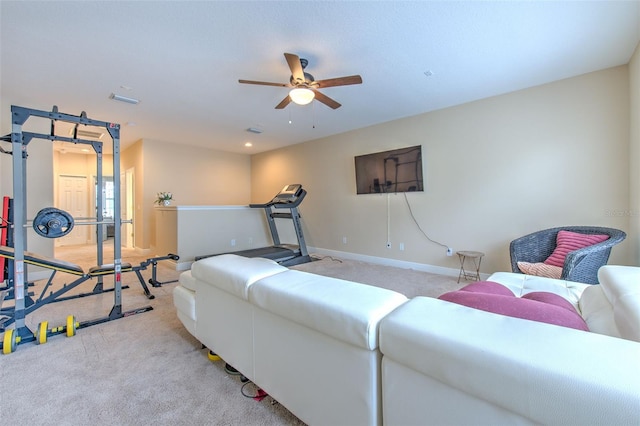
288,198
288,194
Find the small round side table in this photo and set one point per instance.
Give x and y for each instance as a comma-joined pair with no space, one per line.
476,259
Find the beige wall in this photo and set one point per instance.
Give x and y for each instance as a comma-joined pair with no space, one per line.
133,158
81,164
634,157
494,170
39,191
195,176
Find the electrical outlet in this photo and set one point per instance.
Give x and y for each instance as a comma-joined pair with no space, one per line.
388,244
233,243
344,240
449,251
401,246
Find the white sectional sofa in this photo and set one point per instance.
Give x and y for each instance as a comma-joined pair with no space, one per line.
342,353
311,342
447,364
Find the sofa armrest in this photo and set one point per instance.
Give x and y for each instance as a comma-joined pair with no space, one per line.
582,265
542,372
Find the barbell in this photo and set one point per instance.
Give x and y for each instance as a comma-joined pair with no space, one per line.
51,222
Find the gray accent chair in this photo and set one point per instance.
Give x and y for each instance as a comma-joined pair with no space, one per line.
580,265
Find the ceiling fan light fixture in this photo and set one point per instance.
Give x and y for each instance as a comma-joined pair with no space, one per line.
301,95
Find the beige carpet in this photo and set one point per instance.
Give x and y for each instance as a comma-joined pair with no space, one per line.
409,282
147,368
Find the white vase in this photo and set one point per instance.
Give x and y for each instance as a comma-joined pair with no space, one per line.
166,202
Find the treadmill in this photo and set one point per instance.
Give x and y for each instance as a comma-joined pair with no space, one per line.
289,198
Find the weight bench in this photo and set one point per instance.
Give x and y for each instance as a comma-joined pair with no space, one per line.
57,265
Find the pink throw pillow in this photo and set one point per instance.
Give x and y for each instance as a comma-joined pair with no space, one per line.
567,241
488,287
537,306
540,269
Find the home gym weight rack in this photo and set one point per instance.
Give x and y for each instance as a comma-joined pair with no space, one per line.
20,140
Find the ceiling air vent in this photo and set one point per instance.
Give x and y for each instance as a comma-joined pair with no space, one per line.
88,134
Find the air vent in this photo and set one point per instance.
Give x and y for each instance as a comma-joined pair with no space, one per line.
88,134
124,99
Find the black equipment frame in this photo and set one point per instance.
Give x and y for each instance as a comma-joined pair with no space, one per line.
65,267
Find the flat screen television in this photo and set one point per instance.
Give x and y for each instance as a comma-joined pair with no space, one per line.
397,170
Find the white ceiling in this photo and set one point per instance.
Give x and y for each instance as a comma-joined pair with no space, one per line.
183,59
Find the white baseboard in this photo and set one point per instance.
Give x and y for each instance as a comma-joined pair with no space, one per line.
183,266
143,252
390,262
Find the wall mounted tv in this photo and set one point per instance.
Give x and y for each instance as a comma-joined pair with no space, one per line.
398,170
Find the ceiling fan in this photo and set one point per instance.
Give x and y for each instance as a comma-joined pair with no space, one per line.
304,86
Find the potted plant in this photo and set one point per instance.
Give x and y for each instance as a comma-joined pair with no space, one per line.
164,199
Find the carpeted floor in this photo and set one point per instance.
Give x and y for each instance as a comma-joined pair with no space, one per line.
409,282
147,368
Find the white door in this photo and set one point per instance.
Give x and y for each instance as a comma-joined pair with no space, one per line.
73,198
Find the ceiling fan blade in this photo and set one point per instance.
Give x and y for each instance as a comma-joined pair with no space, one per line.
295,67
340,81
263,83
284,103
326,100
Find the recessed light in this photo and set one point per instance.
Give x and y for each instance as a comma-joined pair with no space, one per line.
248,144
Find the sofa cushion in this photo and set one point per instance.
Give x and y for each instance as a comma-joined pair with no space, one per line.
613,307
185,302
344,310
521,284
540,269
234,274
187,281
567,241
598,312
537,306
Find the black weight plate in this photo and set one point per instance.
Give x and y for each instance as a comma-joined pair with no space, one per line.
51,222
